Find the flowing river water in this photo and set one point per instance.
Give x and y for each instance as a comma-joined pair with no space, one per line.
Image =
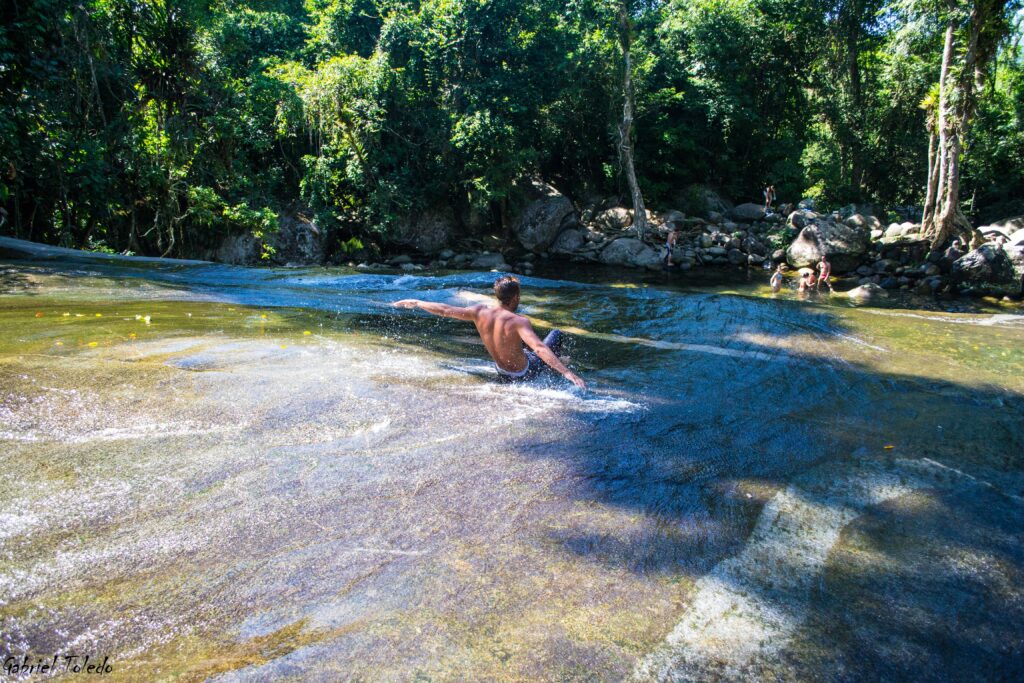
251,474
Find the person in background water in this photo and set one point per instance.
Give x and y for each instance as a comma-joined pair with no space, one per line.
670,243
776,281
824,272
806,280
769,198
504,333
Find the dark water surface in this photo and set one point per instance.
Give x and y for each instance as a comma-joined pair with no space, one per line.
280,476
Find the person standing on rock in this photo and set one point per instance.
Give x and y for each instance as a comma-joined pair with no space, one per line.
670,244
504,333
824,272
769,198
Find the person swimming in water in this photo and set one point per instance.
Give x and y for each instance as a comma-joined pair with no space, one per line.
776,281
806,282
504,333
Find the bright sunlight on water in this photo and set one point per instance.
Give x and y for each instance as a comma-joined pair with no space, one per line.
219,472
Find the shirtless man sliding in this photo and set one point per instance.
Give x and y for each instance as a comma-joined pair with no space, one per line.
504,333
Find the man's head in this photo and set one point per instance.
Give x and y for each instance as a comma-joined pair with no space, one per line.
506,288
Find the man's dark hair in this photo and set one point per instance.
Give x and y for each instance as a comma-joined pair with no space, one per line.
506,288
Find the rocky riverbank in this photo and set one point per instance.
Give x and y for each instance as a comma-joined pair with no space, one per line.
546,225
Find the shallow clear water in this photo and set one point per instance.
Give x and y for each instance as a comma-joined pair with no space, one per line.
278,475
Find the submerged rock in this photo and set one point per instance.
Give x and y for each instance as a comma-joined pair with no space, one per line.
867,292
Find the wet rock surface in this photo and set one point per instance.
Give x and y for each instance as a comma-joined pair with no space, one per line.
263,474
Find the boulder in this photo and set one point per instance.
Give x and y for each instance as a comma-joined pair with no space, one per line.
568,242
674,217
861,221
747,212
489,261
631,252
428,233
616,218
1016,239
893,231
843,245
736,257
1006,227
801,218
987,263
540,221
867,292
297,242
240,250
806,203
885,265
1015,254
714,201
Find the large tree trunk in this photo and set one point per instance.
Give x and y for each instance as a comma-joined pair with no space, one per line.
933,202
933,175
957,103
853,34
626,127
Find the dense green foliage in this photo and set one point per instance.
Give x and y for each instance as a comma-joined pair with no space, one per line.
162,126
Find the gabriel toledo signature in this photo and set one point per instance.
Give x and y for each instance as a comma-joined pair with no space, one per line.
58,664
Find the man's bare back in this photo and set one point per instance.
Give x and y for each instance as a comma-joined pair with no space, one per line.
503,333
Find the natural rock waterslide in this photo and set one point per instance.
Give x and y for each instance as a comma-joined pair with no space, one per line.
217,472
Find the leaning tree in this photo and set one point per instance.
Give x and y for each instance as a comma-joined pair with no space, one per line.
974,31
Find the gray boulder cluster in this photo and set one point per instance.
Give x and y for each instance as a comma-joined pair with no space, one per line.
545,224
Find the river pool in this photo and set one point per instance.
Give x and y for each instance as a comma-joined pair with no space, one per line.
251,474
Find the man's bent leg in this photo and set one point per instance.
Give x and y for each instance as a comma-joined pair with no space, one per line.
554,341
534,364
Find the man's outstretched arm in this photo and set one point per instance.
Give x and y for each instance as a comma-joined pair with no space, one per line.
444,310
531,339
